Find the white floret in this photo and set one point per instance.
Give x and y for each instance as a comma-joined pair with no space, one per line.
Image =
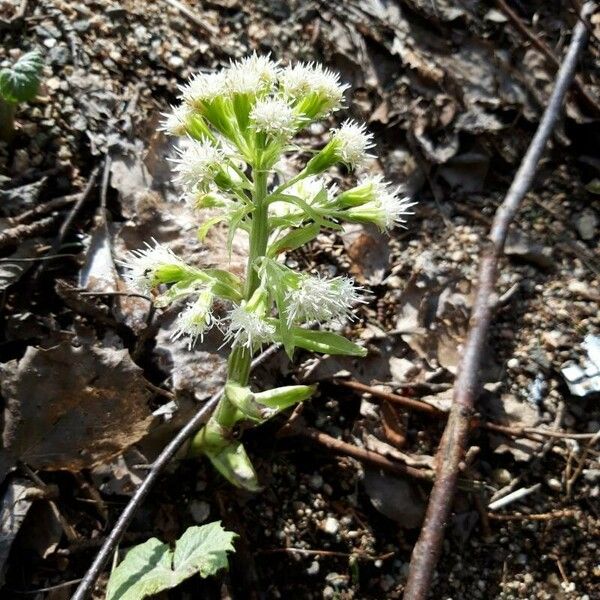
273,116
195,319
352,142
309,188
248,329
174,122
197,164
252,75
296,81
394,208
142,265
302,79
320,299
204,87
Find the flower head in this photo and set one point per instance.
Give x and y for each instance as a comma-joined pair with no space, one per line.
252,75
315,90
204,87
320,299
195,319
153,265
385,211
197,164
248,328
175,122
309,188
348,144
273,116
352,142
369,188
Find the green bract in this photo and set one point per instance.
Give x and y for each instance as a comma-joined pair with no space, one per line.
235,125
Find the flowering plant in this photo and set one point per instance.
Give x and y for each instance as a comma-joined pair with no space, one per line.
237,124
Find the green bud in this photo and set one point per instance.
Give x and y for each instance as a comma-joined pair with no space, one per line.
323,160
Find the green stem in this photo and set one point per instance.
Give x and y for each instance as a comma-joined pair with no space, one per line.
240,358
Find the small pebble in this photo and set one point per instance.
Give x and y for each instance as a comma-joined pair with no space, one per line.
313,569
199,510
331,525
554,484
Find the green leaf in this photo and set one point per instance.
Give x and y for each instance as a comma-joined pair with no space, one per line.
205,227
294,239
226,284
280,398
235,465
20,83
326,342
202,550
279,281
593,186
153,567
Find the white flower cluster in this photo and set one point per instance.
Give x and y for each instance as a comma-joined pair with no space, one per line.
248,329
274,117
352,142
322,300
234,124
145,267
197,164
196,319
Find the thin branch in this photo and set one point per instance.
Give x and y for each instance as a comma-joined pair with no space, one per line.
550,516
363,455
108,547
532,433
450,453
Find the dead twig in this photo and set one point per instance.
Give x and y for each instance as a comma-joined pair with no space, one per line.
15,235
571,480
361,454
532,433
539,43
68,222
549,516
308,552
110,543
193,17
428,547
47,207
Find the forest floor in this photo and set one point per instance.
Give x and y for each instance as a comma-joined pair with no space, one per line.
92,388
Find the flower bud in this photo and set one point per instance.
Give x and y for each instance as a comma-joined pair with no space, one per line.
386,211
348,145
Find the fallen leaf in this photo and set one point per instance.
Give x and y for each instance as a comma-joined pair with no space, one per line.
396,498
71,408
369,252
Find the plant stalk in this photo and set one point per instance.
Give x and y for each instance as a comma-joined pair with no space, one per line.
239,361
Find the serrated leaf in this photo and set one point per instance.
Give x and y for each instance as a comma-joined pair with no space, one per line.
146,570
21,81
153,567
203,550
326,342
